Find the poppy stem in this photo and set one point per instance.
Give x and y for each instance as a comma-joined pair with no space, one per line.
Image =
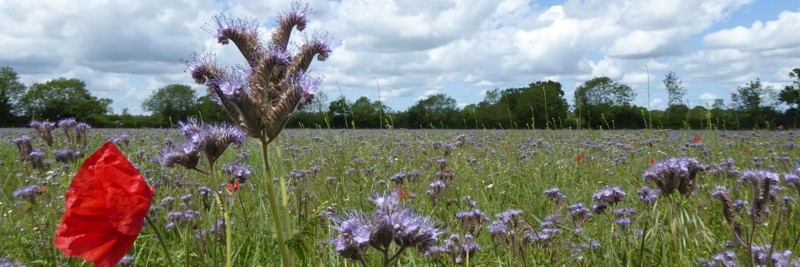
160,240
285,260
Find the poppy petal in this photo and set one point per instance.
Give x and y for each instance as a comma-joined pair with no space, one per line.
105,208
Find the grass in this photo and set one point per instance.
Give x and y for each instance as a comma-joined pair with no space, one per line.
500,170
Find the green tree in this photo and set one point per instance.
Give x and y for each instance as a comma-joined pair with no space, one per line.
340,113
11,89
368,114
595,99
210,110
437,110
791,96
174,101
62,98
753,101
674,88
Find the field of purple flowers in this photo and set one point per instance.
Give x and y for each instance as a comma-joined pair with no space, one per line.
424,197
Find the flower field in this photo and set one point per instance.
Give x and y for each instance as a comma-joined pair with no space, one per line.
422,197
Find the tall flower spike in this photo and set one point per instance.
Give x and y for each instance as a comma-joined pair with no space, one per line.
277,82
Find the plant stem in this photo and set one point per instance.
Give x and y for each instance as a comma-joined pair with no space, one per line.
160,240
273,205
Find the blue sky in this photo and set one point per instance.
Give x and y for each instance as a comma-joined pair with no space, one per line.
414,48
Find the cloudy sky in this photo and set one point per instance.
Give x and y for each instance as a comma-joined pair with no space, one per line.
407,49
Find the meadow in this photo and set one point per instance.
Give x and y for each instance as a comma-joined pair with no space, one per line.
492,197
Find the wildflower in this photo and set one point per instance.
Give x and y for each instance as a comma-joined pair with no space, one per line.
105,208
609,195
555,195
237,172
167,202
761,181
212,140
652,160
127,260
461,247
29,193
414,230
675,173
436,189
68,125
80,133
67,155
36,158
8,262
623,222
697,139
472,221
727,258
353,236
184,155
579,213
23,146
45,130
647,195
579,158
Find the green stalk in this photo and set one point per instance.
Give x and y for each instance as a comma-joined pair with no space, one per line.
160,240
225,212
273,206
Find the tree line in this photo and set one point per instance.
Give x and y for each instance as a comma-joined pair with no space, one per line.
600,103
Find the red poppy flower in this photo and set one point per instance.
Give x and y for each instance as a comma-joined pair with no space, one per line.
652,160
232,187
579,157
401,194
105,208
697,139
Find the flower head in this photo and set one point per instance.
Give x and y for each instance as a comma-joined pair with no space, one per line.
353,236
105,208
29,193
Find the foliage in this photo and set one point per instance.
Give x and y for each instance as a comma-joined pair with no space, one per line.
499,173
11,89
674,88
174,101
600,96
433,112
755,104
62,98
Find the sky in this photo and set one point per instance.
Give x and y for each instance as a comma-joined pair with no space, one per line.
405,50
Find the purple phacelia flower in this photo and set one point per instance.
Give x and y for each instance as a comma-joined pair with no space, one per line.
647,195
212,140
67,155
237,172
45,130
610,195
353,236
675,174
29,193
555,195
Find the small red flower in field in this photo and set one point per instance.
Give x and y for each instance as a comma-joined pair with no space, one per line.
697,139
481,155
401,194
232,187
105,208
652,160
746,152
506,147
42,190
579,158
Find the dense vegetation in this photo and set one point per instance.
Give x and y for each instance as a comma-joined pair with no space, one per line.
551,184
599,103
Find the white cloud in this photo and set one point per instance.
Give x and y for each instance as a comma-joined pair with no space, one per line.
411,48
707,98
656,103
